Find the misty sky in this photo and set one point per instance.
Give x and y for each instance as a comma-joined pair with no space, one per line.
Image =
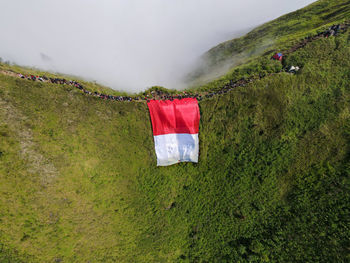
126,44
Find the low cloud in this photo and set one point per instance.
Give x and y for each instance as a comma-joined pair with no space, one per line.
126,44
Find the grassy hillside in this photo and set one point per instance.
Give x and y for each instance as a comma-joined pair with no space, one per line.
79,182
277,35
11,69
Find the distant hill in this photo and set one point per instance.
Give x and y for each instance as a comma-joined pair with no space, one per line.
78,175
278,34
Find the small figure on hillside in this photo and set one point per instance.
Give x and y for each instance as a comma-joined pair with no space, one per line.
337,29
278,56
332,31
293,69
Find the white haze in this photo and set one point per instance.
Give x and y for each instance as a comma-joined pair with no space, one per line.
126,44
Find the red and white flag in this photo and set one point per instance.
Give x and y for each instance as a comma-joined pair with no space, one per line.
175,129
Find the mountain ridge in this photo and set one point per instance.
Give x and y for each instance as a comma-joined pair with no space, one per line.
271,185
270,37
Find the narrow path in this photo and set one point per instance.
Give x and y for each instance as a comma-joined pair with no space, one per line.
162,96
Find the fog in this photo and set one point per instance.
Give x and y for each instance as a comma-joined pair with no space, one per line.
126,44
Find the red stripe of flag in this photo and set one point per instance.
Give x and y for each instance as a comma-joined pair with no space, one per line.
177,116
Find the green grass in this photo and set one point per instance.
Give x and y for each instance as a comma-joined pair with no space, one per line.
250,52
272,183
91,86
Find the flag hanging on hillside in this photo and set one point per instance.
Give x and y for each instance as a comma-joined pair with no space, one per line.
175,129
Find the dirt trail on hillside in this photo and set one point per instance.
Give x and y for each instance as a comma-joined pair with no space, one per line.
8,73
38,164
159,95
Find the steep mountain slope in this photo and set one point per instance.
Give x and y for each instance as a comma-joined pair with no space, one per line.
78,181
279,34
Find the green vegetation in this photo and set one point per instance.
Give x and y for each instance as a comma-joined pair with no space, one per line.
91,86
252,51
79,182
